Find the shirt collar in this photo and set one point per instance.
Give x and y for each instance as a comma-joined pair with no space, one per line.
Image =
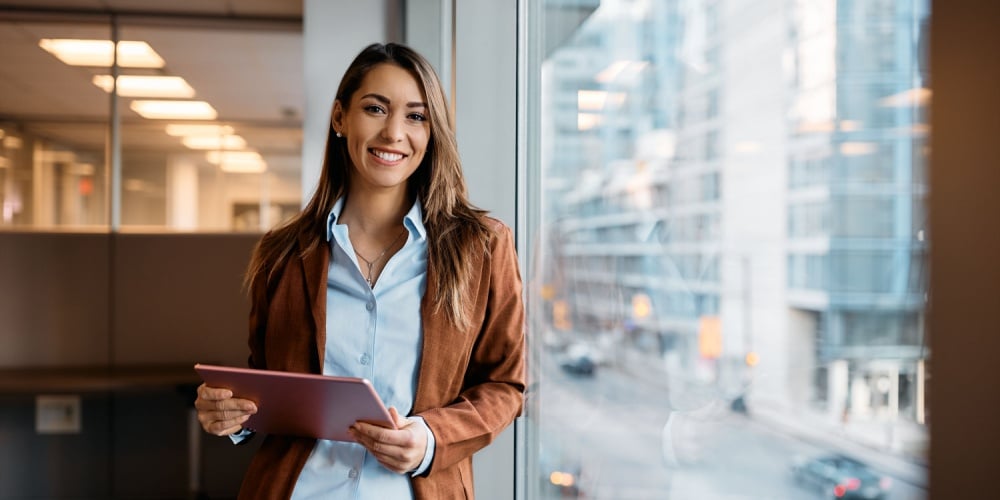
413,220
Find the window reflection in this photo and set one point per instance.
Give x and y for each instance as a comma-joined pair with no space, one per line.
731,251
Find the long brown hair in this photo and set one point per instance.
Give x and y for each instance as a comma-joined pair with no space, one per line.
455,228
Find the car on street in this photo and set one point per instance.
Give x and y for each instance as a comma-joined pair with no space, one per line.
838,476
578,359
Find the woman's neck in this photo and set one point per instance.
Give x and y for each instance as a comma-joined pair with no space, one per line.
375,213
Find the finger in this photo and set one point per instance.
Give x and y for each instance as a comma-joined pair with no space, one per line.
232,404
222,427
396,467
400,421
394,449
213,393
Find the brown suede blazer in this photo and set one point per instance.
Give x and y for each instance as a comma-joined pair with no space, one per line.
470,384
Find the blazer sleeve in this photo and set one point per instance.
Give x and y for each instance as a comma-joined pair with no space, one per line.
492,394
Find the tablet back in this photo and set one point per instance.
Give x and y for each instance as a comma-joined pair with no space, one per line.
301,404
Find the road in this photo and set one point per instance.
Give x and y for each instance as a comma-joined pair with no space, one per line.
612,426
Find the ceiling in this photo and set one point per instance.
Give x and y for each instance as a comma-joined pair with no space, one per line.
242,56
288,9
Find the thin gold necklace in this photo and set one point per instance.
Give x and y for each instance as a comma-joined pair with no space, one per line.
371,263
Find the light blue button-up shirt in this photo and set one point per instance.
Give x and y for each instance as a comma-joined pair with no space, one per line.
373,333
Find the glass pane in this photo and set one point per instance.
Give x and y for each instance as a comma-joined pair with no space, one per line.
53,128
233,162
728,279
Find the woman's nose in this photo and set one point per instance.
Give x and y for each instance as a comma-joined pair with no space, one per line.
393,128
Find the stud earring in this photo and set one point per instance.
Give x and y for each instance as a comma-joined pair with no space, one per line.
339,134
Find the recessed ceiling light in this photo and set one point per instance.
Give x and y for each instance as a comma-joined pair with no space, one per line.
231,142
174,110
244,162
131,54
626,70
911,98
183,129
146,86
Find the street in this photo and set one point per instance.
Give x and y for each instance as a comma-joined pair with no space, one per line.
628,444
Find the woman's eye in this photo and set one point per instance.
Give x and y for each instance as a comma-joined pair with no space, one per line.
418,117
372,108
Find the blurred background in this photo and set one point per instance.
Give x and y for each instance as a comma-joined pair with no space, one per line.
733,242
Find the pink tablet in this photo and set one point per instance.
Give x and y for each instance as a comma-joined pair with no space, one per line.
301,404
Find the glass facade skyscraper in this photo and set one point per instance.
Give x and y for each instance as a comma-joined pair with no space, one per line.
735,199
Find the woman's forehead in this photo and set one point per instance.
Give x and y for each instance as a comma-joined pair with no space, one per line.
391,81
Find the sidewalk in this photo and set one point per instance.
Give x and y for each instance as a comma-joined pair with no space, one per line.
897,449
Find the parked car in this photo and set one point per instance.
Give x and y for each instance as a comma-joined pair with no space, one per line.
841,477
578,359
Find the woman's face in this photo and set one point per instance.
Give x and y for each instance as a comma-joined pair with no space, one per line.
385,127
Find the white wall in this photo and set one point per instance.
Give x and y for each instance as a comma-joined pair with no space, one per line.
333,32
486,121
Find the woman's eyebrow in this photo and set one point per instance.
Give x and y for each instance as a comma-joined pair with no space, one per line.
385,100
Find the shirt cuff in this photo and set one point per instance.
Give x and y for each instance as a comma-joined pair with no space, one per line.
429,453
241,436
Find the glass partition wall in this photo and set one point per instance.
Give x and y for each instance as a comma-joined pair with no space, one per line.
54,125
201,130
728,275
133,186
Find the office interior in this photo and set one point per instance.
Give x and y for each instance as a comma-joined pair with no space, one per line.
123,244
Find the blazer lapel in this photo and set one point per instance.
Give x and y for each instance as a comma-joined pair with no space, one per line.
315,268
433,342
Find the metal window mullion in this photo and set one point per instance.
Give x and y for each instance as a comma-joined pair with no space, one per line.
114,153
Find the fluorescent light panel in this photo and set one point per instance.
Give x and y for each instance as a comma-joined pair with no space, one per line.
75,52
146,86
184,129
244,162
912,98
587,121
597,100
858,148
174,110
625,69
214,142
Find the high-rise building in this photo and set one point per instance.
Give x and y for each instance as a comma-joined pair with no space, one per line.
737,188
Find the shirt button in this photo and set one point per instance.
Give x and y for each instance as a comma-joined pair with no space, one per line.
370,306
353,473
365,358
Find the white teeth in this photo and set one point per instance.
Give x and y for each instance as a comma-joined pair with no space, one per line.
387,156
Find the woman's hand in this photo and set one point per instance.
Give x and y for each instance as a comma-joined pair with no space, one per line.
401,449
219,412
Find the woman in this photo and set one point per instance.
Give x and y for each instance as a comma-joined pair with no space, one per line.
422,296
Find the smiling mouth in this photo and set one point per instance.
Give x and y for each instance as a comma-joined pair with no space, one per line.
387,156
